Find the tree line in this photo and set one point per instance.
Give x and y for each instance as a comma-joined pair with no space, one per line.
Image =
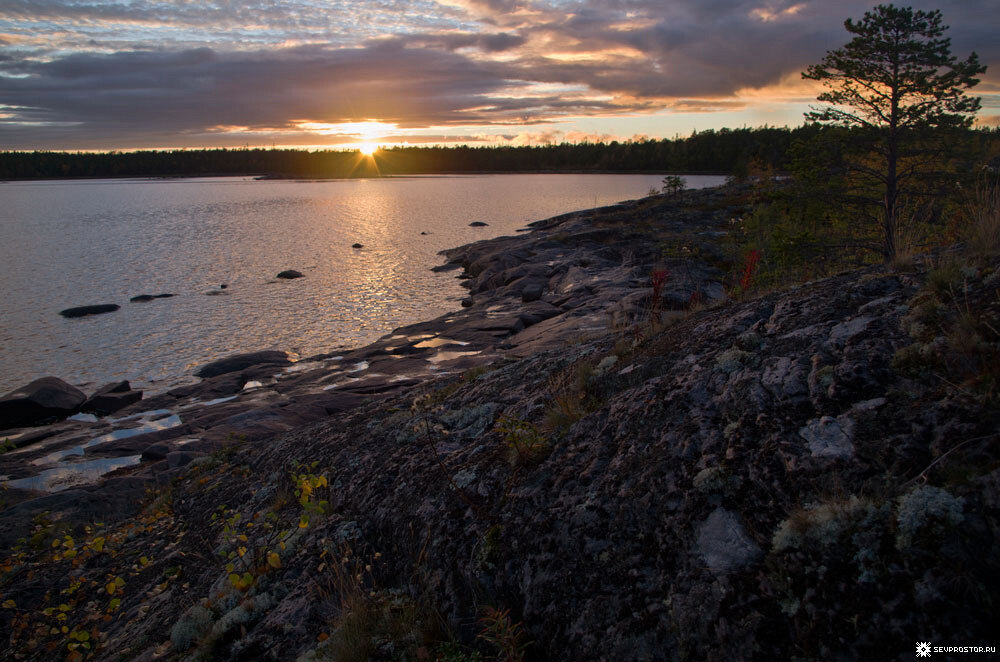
725,151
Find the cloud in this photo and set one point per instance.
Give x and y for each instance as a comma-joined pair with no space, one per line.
82,73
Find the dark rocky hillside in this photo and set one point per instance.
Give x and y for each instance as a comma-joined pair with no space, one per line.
805,474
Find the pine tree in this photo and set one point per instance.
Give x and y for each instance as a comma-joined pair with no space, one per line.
894,84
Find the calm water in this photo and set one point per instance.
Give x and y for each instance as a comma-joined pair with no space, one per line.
76,243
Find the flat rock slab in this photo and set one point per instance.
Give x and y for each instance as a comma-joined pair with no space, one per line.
830,437
241,362
83,311
723,543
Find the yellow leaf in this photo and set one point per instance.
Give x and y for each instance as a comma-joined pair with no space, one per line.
242,537
111,588
241,551
9,604
274,560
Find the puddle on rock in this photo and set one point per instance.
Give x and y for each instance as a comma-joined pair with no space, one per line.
448,356
440,341
149,426
82,418
73,475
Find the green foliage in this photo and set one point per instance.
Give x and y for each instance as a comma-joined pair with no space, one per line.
673,184
525,443
897,85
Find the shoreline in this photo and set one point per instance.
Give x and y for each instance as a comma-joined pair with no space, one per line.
263,176
513,315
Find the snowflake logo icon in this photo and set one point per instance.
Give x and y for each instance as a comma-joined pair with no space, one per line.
923,649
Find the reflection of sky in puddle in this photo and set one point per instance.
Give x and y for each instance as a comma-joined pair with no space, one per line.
148,426
347,380
73,475
82,418
216,401
142,414
448,356
302,366
439,341
358,367
252,384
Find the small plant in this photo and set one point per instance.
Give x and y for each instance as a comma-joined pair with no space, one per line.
749,268
501,631
526,445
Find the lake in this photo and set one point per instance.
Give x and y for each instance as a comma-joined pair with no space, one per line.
81,242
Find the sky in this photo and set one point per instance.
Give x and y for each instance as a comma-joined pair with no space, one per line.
138,74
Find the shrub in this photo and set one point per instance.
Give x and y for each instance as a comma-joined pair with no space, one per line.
926,511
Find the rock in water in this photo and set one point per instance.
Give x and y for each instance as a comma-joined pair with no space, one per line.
241,362
82,311
39,402
357,245
288,274
478,224
149,297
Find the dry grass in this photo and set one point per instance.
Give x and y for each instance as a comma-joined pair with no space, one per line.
982,216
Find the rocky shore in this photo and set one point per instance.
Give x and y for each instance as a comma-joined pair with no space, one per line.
600,456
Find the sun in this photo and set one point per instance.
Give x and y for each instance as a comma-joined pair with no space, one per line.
368,148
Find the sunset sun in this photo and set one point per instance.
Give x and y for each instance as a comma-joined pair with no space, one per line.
368,148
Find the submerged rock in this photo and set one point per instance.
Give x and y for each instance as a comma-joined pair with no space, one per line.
83,311
149,297
289,274
41,401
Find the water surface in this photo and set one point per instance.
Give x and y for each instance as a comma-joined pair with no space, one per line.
73,243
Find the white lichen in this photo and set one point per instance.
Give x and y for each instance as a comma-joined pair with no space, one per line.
191,627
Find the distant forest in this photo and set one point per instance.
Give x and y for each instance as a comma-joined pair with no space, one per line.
726,151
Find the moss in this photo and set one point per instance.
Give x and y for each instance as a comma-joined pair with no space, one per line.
733,359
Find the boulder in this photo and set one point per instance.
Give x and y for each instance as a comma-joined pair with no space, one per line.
288,274
531,292
41,401
357,245
82,311
241,362
103,404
